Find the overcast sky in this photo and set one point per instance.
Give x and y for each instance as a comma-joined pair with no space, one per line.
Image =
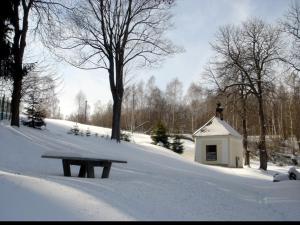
196,22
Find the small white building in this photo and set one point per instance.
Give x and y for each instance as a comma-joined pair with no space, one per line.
217,143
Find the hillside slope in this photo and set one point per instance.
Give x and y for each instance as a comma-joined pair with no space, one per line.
155,184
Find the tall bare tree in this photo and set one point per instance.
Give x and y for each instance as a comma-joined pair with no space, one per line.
194,98
174,98
291,25
82,107
231,82
110,34
20,19
21,14
253,49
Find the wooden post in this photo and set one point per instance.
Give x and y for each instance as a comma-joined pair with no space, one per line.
83,170
85,118
67,168
106,170
237,161
90,171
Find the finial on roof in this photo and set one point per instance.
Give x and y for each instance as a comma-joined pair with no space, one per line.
219,111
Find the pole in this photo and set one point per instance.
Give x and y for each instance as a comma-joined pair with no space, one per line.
7,105
85,111
2,107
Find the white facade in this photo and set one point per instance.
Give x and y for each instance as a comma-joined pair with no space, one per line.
217,143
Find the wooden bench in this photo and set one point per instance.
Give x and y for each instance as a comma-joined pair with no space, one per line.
86,164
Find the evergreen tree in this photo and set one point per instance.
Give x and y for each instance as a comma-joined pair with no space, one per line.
177,145
88,132
5,44
74,130
159,135
35,111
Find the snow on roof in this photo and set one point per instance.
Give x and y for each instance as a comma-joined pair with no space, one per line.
216,126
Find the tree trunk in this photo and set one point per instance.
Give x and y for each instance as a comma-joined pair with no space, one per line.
262,139
117,90
116,122
18,49
2,108
245,138
15,102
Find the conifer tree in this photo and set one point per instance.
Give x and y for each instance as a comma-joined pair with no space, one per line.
159,135
177,145
35,111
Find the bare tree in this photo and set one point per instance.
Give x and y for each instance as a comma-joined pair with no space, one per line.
253,49
82,107
174,98
231,82
291,25
22,11
194,98
20,18
110,34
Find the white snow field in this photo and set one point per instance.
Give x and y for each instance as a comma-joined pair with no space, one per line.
155,185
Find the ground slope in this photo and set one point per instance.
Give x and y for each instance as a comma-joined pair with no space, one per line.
156,184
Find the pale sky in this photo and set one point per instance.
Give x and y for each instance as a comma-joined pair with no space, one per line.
195,24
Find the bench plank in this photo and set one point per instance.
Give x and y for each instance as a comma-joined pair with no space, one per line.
82,158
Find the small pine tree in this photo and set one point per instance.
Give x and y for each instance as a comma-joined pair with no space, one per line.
74,130
125,136
35,111
177,145
159,135
88,132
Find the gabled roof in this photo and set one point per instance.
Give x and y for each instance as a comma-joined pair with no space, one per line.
215,126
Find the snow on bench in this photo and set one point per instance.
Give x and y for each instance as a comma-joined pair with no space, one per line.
86,164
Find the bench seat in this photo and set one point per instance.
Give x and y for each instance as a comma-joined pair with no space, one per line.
86,164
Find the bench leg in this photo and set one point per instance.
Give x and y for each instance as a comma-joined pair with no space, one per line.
67,168
82,171
106,169
90,171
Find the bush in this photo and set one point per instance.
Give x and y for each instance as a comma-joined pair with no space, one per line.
159,135
125,136
177,145
88,132
74,130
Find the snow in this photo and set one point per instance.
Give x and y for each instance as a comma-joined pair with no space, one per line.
216,126
156,183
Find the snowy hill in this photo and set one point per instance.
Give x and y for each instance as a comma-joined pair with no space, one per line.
155,184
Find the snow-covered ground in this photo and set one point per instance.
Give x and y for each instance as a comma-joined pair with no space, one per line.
155,184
